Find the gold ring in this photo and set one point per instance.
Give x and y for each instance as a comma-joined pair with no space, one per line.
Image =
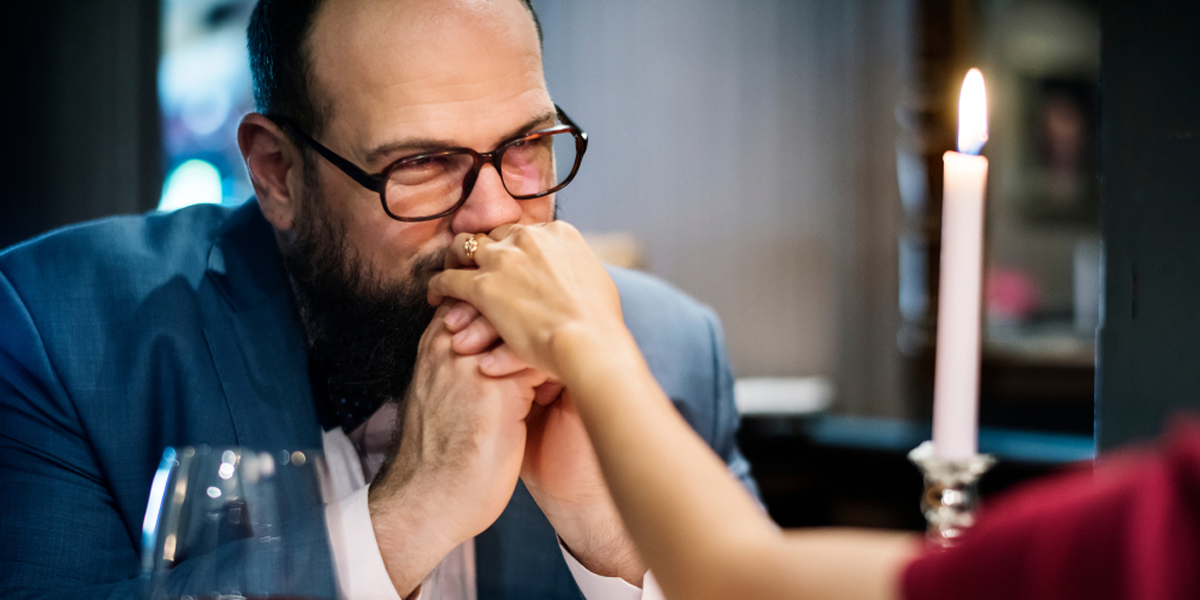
471,245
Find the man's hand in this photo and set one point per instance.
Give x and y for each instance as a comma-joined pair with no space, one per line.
458,460
563,476
560,467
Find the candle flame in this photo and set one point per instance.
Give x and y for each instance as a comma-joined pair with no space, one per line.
972,114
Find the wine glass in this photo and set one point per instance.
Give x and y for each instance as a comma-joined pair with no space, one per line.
233,523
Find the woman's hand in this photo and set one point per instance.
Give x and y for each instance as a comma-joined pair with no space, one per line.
541,288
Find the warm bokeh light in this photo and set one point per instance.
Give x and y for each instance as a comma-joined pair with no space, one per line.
972,114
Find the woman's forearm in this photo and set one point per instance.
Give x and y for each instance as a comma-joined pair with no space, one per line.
665,481
697,528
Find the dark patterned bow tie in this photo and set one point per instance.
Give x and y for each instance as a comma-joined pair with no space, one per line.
339,404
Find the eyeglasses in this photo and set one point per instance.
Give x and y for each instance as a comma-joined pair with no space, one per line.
433,185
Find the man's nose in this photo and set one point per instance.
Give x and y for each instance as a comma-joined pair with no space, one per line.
488,207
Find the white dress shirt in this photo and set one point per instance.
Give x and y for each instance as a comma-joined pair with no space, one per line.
353,460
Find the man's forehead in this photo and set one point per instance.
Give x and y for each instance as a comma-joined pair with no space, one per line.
397,60
414,18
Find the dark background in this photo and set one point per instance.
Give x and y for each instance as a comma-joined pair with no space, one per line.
78,113
1149,350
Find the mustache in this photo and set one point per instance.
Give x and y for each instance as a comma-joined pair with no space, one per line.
431,262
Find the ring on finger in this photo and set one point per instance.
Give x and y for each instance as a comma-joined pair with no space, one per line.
470,246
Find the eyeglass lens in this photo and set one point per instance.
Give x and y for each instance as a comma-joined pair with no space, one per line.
428,185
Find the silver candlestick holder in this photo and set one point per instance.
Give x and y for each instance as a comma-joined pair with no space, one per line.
951,492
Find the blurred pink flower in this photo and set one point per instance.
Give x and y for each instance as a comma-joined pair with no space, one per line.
1010,294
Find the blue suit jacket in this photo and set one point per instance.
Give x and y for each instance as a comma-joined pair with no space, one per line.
121,337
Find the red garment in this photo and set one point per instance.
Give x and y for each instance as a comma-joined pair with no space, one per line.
1129,530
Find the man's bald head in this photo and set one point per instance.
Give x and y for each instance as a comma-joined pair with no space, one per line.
280,61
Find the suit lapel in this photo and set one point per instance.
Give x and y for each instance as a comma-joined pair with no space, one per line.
256,339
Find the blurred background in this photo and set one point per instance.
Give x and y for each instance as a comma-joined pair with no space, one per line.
779,160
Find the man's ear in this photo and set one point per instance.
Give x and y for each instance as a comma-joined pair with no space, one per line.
275,167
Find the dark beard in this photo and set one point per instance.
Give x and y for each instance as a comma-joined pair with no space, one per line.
363,331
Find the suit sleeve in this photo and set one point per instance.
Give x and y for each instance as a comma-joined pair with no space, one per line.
725,415
61,535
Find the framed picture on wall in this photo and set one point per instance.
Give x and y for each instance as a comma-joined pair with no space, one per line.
1058,171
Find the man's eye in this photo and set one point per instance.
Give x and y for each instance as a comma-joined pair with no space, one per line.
423,162
419,170
425,166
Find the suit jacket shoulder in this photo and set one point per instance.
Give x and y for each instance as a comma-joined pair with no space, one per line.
684,345
86,291
127,256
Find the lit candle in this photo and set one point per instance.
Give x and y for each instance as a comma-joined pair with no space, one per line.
956,375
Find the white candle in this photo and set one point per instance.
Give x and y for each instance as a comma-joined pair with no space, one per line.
956,375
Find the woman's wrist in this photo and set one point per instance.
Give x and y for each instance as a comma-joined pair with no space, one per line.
585,351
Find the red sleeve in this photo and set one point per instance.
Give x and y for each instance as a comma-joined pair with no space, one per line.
1128,530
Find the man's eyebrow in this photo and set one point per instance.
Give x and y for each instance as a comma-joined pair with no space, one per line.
435,145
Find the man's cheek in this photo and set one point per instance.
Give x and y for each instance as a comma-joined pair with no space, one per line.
539,210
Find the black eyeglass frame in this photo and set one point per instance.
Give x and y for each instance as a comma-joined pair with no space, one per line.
377,182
